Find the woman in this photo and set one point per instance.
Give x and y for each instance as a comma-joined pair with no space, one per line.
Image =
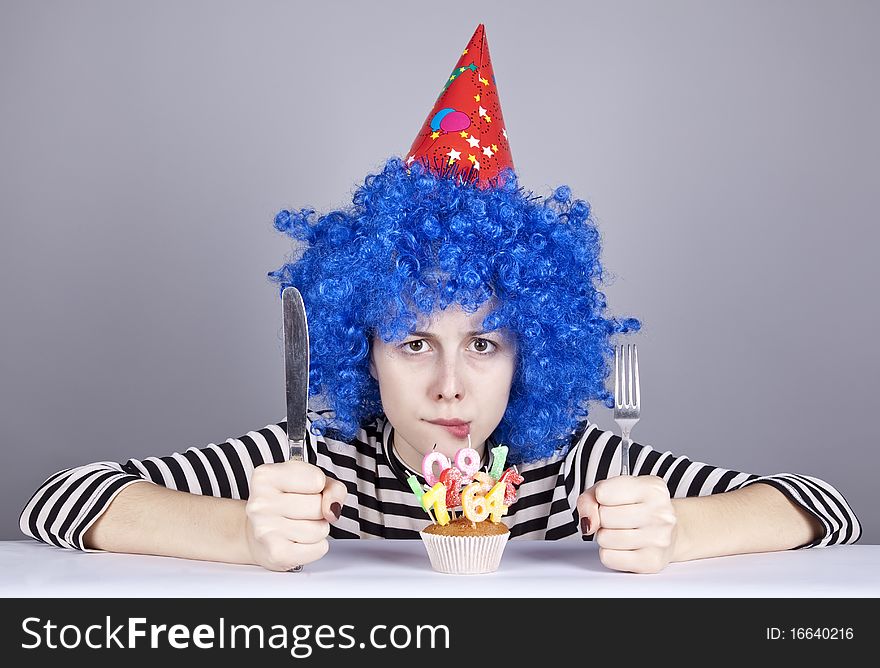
435,299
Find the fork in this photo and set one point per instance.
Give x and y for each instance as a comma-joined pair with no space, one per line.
627,403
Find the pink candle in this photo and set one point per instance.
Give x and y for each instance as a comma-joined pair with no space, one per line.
467,460
428,461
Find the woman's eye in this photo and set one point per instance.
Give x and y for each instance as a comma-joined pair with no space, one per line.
484,346
416,346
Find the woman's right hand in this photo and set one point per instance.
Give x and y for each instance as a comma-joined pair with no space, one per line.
288,514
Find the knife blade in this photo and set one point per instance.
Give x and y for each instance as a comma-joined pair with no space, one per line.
296,368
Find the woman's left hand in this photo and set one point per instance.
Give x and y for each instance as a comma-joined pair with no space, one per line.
633,520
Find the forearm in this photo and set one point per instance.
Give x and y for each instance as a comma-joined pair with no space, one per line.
149,519
757,518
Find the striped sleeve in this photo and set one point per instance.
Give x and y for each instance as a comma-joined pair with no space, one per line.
596,456
70,501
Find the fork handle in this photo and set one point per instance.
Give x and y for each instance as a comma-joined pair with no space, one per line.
624,452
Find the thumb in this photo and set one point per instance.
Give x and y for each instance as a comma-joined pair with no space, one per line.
588,511
332,499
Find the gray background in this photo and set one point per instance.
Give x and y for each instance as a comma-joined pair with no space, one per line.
729,149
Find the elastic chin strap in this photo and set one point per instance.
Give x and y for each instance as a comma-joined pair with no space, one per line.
402,472
397,467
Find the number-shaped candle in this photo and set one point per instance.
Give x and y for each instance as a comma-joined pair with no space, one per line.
473,503
499,456
428,461
436,497
451,477
495,501
486,481
467,460
510,477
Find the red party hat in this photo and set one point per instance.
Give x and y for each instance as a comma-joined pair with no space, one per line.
464,134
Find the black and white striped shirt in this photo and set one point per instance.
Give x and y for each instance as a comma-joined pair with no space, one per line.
380,503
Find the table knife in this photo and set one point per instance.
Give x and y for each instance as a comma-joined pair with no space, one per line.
296,371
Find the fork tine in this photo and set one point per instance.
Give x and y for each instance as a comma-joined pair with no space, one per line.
619,370
636,376
628,364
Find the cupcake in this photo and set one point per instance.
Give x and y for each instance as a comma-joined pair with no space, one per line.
472,539
462,547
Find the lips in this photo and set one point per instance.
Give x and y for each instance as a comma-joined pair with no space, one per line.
458,428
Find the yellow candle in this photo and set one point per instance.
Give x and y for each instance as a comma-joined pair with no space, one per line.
495,501
473,503
436,497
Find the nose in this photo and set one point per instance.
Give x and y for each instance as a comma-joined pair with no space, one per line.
448,381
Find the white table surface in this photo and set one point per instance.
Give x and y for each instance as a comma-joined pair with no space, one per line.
396,568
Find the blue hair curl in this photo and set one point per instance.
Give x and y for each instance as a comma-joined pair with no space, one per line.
412,242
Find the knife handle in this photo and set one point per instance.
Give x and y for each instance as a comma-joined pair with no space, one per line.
296,450
296,453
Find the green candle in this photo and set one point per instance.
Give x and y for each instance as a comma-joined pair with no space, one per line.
499,455
416,487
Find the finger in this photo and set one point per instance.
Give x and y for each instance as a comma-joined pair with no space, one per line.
304,531
622,539
275,529
332,499
300,506
291,476
630,516
588,511
625,489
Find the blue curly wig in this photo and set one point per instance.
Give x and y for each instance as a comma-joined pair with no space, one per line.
414,241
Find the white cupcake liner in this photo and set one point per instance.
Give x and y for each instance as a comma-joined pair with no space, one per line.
465,555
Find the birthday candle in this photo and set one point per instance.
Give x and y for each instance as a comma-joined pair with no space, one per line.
467,460
428,462
473,503
486,481
451,477
436,496
495,501
510,478
499,455
415,487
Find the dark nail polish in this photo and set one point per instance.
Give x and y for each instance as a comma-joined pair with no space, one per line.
336,509
585,525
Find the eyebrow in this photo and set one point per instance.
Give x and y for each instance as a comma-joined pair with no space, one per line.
429,335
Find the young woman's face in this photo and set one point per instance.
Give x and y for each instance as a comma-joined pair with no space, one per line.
447,370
